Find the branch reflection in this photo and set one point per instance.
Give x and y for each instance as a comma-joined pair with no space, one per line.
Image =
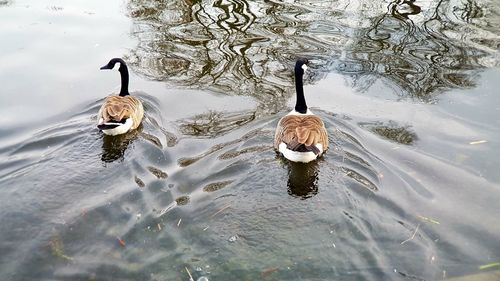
392,131
421,49
214,123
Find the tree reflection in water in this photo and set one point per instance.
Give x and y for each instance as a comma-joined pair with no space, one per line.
247,47
420,50
392,131
5,2
213,123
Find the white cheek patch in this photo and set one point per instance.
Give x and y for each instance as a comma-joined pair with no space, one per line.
116,66
304,67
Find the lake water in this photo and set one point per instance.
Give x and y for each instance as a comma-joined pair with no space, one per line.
408,90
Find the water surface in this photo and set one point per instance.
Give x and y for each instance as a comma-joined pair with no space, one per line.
409,189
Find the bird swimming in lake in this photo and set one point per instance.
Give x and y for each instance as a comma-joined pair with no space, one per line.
122,113
300,135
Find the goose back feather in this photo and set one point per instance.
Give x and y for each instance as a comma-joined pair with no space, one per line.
116,109
301,133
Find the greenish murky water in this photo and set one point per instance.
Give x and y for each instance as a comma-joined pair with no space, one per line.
409,189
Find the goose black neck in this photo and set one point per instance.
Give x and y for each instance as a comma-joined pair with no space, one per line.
124,77
300,105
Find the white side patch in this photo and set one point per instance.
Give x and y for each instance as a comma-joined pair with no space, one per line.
294,156
320,147
123,128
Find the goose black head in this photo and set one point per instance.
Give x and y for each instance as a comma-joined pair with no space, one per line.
301,65
123,73
112,62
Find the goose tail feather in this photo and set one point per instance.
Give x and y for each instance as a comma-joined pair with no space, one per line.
107,126
300,147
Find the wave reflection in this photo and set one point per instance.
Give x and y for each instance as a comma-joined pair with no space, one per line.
303,179
113,147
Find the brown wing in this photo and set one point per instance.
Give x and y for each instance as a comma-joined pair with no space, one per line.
116,108
301,129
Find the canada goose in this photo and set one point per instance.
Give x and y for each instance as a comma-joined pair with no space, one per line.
301,136
122,113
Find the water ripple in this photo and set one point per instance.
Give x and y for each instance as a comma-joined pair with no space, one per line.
208,193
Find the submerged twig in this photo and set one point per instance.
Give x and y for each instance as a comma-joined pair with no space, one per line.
57,248
490,265
168,208
413,236
179,222
120,241
189,273
268,271
428,219
219,211
478,142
